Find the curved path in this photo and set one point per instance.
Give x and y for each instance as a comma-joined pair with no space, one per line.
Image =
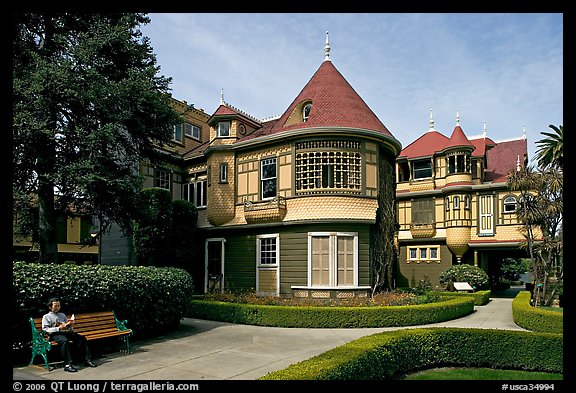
208,350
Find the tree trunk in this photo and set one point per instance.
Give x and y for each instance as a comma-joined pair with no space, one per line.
384,256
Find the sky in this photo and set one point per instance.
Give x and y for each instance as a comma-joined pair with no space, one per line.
504,69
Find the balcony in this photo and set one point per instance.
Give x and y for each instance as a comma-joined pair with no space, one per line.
423,230
265,211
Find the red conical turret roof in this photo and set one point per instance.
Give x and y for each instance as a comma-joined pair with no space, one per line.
335,103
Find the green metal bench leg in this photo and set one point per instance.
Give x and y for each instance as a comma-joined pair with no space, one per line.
43,356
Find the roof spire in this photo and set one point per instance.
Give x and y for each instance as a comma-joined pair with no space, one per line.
222,97
524,132
457,118
327,49
484,132
431,121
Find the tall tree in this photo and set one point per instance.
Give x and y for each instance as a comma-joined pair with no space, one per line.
541,211
88,105
551,149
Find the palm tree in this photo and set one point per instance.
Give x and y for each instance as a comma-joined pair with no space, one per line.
551,150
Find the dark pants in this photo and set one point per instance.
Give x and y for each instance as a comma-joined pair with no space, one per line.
65,340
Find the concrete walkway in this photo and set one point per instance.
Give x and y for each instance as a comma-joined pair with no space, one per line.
208,350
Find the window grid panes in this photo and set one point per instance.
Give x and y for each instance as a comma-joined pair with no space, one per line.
162,179
268,251
328,171
423,254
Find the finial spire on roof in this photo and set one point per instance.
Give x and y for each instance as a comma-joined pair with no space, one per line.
327,49
457,117
222,97
524,132
431,122
484,131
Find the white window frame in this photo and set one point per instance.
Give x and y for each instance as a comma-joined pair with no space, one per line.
223,173
178,135
192,131
221,134
259,239
159,178
456,202
192,191
418,251
333,258
508,204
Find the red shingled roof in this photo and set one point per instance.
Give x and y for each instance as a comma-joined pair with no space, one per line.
458,138
502,159
482,146
426,145
335,103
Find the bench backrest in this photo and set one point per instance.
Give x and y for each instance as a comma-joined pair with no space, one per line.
88,322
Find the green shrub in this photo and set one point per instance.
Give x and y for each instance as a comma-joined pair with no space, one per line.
384,355
534,318
332,316
150,298
473,275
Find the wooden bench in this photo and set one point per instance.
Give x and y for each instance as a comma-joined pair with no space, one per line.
93,326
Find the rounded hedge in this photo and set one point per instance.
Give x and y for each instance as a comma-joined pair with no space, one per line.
149,298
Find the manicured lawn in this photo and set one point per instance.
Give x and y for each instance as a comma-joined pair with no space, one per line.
457,373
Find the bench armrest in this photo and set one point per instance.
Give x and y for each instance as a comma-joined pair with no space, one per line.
120,325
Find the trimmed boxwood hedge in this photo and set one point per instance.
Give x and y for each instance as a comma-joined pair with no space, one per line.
149,298
534,318
332,317
481,298
383,355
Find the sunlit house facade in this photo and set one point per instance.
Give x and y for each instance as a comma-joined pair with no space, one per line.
454,204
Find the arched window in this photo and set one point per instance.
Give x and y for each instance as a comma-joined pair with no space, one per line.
306,111
509,204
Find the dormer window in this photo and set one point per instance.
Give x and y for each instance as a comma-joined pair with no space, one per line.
223,129
306,112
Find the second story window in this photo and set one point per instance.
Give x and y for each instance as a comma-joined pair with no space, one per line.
224,129
178,133
510,204
223,173
162,178
268,178
423,211
192,131
422,169
196,190
456,201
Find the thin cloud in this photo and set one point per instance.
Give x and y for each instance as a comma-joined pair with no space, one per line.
505,69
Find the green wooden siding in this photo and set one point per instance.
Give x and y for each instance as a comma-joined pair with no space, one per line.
240,254
411,273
